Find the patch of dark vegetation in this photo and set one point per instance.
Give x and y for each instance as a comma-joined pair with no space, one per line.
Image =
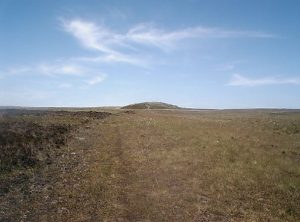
31,137
32,147
129,112
19,180
19,112
25,143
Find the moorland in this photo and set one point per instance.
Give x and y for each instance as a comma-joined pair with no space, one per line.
149,164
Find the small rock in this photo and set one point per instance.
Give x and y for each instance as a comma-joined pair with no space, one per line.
80,138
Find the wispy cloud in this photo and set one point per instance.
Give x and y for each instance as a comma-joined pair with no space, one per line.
129,47
60,69
113,58
90,35
96,80
239,80
48,69
121,47
103,40
147,34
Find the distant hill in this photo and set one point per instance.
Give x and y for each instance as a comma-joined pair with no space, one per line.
151,105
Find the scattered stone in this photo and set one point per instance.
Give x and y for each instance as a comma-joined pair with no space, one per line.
80,138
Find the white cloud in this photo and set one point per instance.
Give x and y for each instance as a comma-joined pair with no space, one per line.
113,45
112,58
101,39
48,69
89,34
60,69
146,34
239,80
125,47
96,80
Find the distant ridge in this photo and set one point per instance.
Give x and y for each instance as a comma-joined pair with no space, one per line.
150,105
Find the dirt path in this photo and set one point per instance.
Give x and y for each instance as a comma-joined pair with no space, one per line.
113,170
88,182
149,179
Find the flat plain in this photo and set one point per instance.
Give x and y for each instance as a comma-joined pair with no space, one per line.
150,165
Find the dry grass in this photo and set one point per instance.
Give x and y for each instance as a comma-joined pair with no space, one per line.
175,166
30,136
24,143
209,166
32,144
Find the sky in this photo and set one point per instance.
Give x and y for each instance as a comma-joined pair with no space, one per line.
192,53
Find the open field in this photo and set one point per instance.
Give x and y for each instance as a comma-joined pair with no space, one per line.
150,165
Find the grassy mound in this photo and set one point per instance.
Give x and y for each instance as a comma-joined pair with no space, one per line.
151,105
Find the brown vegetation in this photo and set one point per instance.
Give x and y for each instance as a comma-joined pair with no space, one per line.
27,137
165,166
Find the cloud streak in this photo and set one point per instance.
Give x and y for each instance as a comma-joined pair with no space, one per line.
129,47
122,47
60,70
96,80
147,34
100,39
239,80
48,69
113,58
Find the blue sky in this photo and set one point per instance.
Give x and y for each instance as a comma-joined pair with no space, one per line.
192,53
